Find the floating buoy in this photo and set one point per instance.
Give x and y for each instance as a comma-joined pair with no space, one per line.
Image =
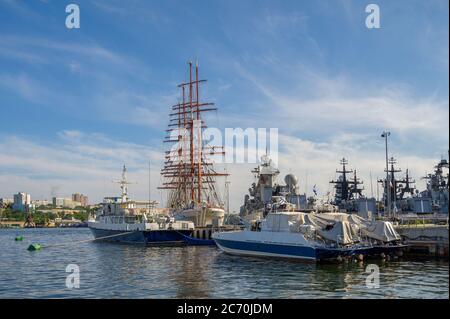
18,238
34,247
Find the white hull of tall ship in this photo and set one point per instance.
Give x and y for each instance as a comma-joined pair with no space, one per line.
201,217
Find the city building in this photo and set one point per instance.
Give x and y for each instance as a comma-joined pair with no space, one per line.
41,202
22,202
80,198
69,203
65,202
58,201
6,201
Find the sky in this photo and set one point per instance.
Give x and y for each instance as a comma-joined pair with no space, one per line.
76,104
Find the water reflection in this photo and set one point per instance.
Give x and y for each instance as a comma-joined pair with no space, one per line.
124,271
190,276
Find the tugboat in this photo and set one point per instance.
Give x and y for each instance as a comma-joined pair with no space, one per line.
120,220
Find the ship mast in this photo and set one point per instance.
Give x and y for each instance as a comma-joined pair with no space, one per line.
408,185
342,184
392,187
188,173
355,190
123,184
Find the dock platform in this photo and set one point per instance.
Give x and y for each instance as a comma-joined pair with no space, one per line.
425,239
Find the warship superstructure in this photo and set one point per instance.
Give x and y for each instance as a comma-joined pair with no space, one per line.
407,199
280,224
349,195
437,188
266,194
401,190
188,171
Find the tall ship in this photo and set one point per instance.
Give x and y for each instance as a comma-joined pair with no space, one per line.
189,175
120,219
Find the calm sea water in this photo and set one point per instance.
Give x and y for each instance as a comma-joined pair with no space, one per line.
123,271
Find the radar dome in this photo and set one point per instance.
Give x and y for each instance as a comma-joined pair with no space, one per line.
291,180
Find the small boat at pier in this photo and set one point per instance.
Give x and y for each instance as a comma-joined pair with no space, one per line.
120,220
312,236
280,223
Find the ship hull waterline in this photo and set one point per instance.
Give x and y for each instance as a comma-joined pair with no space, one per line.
167,237
259,249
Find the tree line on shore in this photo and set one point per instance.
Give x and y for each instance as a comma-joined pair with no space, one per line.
43,216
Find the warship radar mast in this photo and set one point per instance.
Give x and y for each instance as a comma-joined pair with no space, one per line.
347,188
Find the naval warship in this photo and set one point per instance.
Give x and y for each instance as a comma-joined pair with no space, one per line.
407,199
281,224
266,194
437,188
349,197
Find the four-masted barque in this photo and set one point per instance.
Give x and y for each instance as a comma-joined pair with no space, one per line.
188,171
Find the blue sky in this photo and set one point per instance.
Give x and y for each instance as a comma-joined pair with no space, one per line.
77,103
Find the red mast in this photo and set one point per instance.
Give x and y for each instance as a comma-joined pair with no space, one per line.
186,169
199,137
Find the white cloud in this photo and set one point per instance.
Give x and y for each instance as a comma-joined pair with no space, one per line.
26,87
88,49
77,162
322,105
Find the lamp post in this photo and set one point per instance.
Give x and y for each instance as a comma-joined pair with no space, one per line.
388,184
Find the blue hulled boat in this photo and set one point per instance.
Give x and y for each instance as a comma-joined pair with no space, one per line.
311,236
120,220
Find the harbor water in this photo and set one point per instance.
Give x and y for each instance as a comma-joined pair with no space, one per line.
125,271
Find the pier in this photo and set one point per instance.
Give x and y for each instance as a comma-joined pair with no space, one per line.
425,239
12,224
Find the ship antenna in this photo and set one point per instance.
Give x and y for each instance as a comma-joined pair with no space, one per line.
124,181
149,185
371,184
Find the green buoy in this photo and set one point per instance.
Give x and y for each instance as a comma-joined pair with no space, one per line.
18,238
34,247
